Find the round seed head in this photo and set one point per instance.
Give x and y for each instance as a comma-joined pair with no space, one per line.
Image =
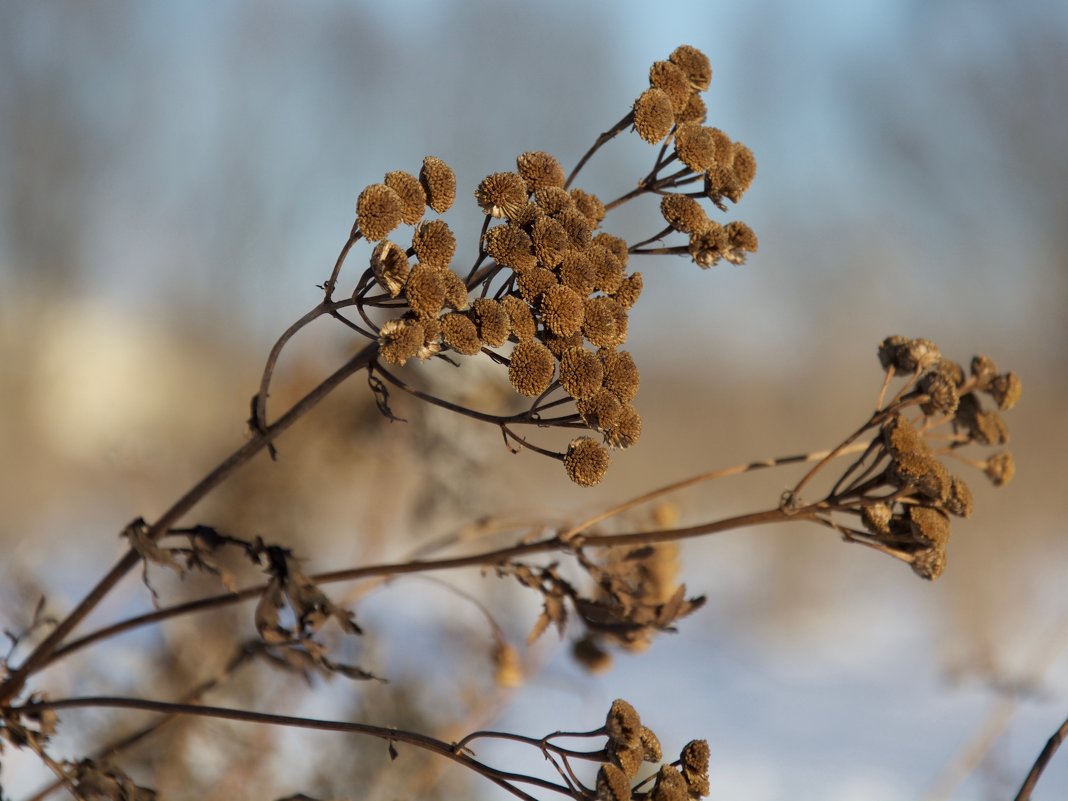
411,193
629,291
561,310
612,784
695,64
744,168
959,502
942,392
627,430
389,264
694,759
589,205
586,462
607,269
741,241
695,111
695,146
553,200
876,518
651,750
581,372
622,723
670,79
460,333
576,271
378,211
984,369
578,226
501,194
1000,468
510,245
531,368
1006,389
707,245
929,563
683,213
590,655
929,526
400,340
439,183
455,290
550,239
425,290
534,283
908,355
601,322
540,170
492,322
986,428
653,115
670,786
601,411
526,216
628,757
434,243
620,374
558,344
521,319
952,371
616,244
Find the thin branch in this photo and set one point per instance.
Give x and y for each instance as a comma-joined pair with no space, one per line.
1043,760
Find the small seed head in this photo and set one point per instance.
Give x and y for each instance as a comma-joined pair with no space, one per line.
501,194
389,264
695,64
654,115
492,322
531,368
520,317
581,372
586,461
378,211
670,78
540,169
425,290
439,183
434,243
683,213
411,193
460,333
561,310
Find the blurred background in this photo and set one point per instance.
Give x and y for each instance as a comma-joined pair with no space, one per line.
177,178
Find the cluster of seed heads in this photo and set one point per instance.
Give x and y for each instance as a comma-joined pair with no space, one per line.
550,293
630,745
904,494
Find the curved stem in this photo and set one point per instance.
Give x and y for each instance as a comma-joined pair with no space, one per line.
354,237
603,139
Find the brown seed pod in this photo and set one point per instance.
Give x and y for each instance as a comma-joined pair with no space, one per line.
589,205
520,316
601,322
400,340
929,526
553,200
411,193
695,111
539,170
629,291
651,750
670,79
670,786
601,411
378,211
628,757
984,369
959,502
434,243
561,310
492,321
389,264
576,271
694,757
908,355
620,374
695,64
550,239
653,115
439,183
501,194
627,429
942,393
743,165
707,246
607,269
510,245
612,784
1000,468
1006,389
425,290
534,283
616,244
531,368
741,241
581,372
876,518
622,723
557,344
578,226
683,213
695,145
460,333
929,563
455,290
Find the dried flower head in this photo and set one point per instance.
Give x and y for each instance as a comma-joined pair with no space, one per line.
670,786
492,321
1000,468
683,213
629,291
708,244
601,322
628,757
520,317
550,239
654,115
460,333
627,429
743,165
651,750
578,226
581,372
959,502
389,264
913,463
1005,389
540,170
908,355
695,64
876,518
501,194
741,241
425,290
586,461
534,283
531,368
608,270
439,183
576,271
434,243
941,392
411,193
561,310
981,426
694,758
378,211
590,205
612,784
695,111
984,369
695,146
929,526
616,244
601,411
553,200
929,563
558,344
455,290
673,81
400,340
620,374
510,245
622,724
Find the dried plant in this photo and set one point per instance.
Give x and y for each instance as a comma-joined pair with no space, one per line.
546,301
